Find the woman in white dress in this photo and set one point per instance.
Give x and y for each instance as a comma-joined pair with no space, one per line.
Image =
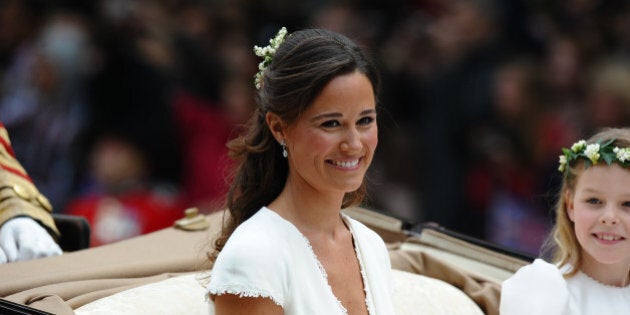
287,248
590,242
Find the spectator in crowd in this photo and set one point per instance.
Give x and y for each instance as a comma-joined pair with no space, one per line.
120,200
43,102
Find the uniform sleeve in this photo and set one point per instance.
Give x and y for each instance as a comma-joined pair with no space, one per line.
250,267
538,288
18,194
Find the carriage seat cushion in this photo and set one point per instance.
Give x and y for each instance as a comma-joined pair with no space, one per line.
185,295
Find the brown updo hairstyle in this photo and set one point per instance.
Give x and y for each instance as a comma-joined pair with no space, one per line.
300,69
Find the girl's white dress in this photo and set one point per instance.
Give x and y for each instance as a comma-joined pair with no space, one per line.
540,288
267,256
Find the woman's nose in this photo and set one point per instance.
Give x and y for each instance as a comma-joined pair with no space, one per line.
351,141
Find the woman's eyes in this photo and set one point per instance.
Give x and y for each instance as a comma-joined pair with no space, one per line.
331,123
626,204
365,120
335,123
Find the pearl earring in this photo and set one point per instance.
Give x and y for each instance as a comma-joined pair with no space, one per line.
284,149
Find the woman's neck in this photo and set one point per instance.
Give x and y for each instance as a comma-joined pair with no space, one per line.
308,209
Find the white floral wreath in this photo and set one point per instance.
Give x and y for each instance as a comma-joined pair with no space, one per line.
267,54
592,153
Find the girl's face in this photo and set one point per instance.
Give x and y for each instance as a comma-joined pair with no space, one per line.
600,211
332,143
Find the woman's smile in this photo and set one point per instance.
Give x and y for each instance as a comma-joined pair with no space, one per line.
345,164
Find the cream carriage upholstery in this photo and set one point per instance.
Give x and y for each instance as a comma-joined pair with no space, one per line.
182,295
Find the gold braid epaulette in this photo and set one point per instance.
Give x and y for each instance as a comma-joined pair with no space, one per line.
18,195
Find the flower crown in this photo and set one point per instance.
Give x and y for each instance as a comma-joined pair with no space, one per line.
593,152
267,54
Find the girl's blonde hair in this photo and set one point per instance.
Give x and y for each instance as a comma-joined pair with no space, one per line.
562,242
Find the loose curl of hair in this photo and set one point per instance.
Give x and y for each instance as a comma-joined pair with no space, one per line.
562,242
302,66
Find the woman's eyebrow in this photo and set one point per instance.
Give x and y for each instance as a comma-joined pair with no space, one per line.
326,116
337,115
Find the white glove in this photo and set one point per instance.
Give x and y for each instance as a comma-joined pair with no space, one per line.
22,238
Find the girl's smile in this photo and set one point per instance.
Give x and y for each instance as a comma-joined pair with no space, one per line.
608,239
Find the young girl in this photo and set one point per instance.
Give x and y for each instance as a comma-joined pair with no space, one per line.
590,241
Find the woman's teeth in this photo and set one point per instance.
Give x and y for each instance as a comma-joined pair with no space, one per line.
346,164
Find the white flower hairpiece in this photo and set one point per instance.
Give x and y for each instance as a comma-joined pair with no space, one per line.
592,153
267,54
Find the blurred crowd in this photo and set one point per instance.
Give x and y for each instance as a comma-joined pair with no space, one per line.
120,109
